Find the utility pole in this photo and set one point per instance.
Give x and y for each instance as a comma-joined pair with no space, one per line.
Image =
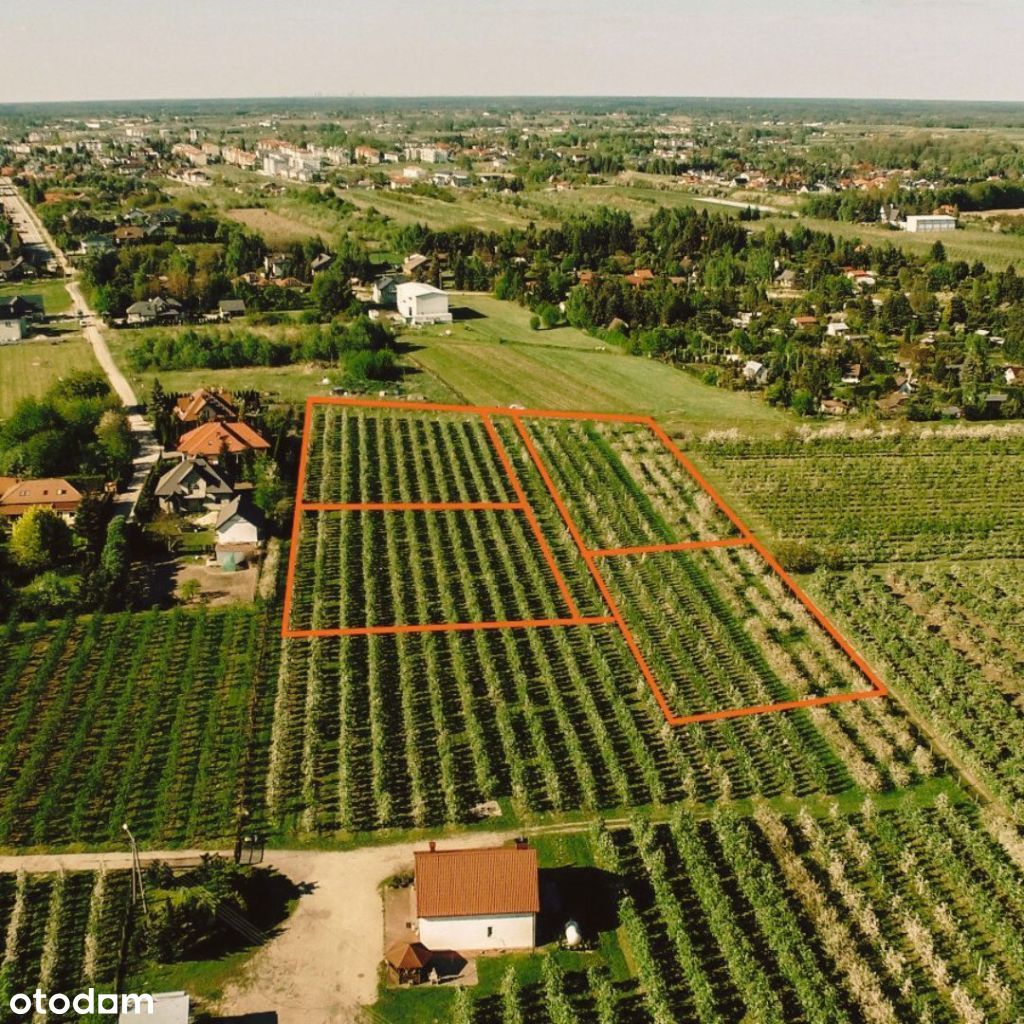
138,887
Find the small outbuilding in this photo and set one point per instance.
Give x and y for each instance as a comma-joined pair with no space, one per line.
408,963
478,899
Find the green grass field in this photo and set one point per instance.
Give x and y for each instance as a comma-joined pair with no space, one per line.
496,359
55,295
28,369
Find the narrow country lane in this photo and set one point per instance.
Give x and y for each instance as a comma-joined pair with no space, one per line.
149,449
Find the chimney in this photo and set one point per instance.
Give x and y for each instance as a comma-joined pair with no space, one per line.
522,843
433,846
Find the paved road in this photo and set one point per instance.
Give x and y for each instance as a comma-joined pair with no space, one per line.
33,231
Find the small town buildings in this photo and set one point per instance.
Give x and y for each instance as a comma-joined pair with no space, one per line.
852,374
239,523
929,222
834,407
477,899
12,270
422,303
216,438
192,486
230,308
205,404
384,287
54,493
804,322
837,329
1014,375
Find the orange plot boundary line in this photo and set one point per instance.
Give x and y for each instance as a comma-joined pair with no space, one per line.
745,538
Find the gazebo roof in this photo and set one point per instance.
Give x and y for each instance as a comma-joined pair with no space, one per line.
406,956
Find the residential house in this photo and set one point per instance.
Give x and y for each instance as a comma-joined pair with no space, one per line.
367,155
837,329
23,307
191,486
54,493
834,407
852,374
277,265
413,262
422,303
215,438
786,279
1014,375
477,899
206,404
641,277
804,322
755,372
151,311
230,308
321,263
129,234
384,290
240,522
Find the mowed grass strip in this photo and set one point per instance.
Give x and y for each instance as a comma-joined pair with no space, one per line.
28,369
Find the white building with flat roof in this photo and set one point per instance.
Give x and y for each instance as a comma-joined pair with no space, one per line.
422,303
930,222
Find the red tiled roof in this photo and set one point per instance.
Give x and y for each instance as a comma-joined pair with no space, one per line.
53,492
212,438
190,407
464,883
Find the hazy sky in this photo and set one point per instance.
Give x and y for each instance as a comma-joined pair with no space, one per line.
109,49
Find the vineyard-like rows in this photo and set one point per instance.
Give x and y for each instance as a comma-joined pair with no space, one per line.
885,497
361,455
154,719
622,486
60,933
950,640
720,630
887,918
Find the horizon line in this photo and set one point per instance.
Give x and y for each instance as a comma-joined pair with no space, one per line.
625,97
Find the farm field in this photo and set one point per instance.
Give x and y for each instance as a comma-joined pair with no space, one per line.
541,719
887,916
950,639
884,496
61,930
30,368
496,360
148,718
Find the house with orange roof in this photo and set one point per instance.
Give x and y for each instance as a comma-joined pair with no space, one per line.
477,899
216,438
56,493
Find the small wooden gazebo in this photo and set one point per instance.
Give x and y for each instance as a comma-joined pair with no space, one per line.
408,962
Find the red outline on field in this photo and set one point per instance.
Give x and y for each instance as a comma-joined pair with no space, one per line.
589,555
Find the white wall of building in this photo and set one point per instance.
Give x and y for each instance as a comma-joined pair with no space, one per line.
11,331
930,222
422,304
509,931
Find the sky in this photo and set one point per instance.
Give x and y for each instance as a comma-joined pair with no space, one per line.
148,49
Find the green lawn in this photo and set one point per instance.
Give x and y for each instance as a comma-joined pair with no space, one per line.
497,360
28,369
55,295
